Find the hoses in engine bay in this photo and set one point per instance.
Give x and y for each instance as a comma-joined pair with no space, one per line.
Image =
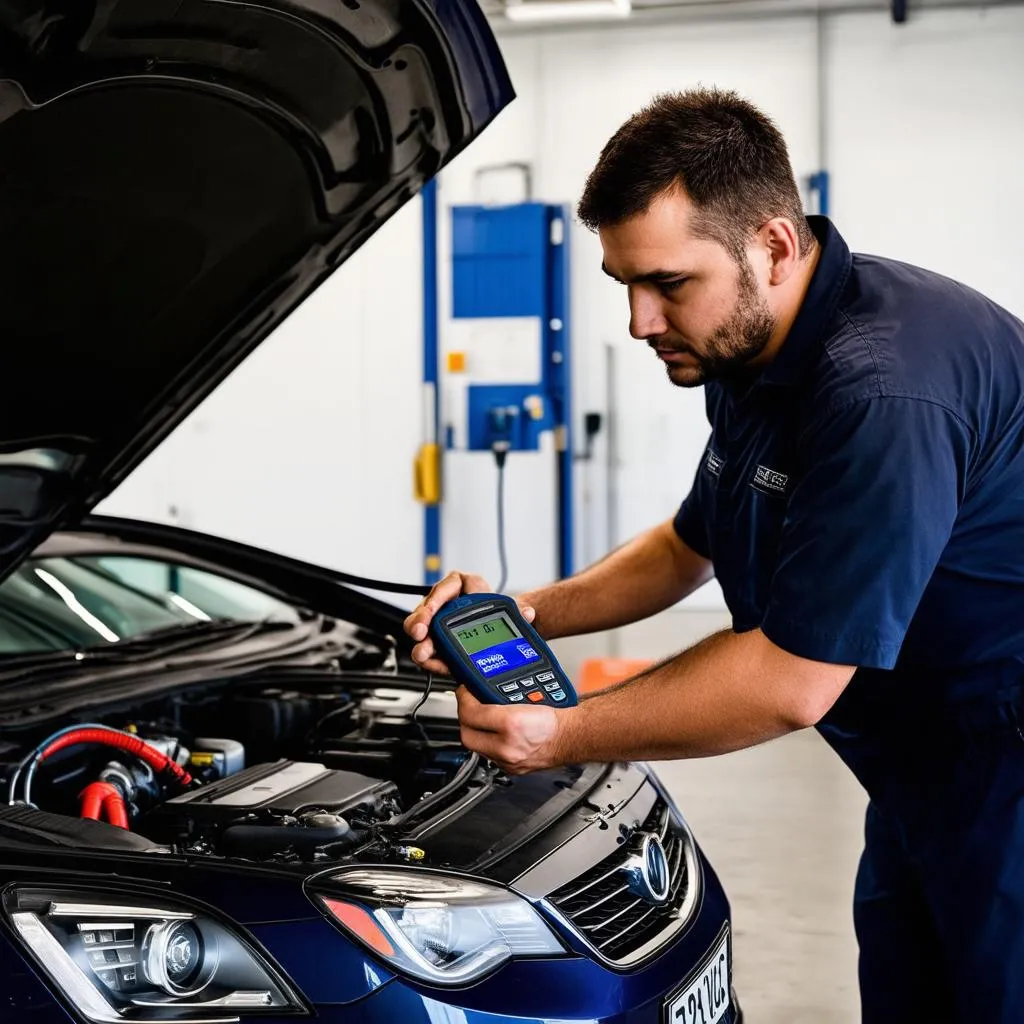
104,800
29,758
95,799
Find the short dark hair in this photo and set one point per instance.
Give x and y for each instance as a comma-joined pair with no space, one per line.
729,158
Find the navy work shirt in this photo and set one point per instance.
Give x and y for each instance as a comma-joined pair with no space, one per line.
863,499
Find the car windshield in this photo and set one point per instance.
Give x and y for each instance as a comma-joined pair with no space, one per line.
97,601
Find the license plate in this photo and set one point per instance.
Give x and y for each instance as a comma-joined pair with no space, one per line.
705,999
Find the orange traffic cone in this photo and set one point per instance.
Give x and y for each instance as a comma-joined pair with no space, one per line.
597,673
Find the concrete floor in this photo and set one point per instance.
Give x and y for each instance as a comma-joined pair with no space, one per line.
782,825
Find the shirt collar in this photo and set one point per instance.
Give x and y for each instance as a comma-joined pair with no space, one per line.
808,333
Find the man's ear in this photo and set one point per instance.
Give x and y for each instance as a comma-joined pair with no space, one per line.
782,244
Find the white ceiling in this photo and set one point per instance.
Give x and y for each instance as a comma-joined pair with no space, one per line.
700,10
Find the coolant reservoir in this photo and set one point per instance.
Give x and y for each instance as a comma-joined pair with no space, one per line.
217,758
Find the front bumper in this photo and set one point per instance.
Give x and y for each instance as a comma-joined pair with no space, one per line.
538,992
324,965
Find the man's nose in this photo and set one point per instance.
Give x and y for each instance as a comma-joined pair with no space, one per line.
646,319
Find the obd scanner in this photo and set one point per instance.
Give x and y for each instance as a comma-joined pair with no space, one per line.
497,655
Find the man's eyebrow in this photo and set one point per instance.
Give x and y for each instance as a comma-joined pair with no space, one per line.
653,276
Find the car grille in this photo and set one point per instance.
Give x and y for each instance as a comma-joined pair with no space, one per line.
620,926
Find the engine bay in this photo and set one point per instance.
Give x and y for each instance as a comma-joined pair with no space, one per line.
298,773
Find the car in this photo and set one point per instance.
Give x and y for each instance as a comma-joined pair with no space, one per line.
230,793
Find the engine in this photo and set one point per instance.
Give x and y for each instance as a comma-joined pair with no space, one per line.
270,808
267,773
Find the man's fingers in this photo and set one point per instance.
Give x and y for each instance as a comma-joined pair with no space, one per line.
423,651
469,706
417,624
487,744
483,741
444,591
477,716
475,585
426,657
490,718
436,667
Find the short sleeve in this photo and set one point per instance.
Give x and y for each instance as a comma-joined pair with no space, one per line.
690,521
865,528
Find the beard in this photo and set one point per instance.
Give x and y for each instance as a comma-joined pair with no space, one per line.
729,350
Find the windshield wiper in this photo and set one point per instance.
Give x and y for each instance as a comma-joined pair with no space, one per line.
166,640
187,635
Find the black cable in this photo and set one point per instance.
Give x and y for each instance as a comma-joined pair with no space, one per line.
422,701
499,458
314,733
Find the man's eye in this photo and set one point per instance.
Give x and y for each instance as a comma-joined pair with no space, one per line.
667,287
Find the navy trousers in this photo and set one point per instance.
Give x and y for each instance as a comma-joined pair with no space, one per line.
939,900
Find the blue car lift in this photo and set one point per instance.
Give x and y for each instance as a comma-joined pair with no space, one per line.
507,262
428,462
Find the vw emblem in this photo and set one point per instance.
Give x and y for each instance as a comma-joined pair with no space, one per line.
647,871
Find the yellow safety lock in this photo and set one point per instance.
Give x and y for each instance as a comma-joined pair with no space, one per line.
427,474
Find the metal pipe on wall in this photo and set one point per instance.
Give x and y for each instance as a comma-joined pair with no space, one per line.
822,87
611,400
694,11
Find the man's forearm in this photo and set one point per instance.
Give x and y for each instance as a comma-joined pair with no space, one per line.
649,574
728,692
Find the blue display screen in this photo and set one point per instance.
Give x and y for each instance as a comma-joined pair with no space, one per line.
504,657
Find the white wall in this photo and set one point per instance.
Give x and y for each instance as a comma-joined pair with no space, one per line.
307,448
925,142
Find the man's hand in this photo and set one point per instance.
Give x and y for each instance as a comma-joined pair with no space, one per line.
518,739
417,625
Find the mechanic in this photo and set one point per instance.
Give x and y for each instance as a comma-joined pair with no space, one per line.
861,502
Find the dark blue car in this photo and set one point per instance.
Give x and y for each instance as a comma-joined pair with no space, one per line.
228,795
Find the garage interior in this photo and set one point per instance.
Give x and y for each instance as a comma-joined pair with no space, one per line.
903,119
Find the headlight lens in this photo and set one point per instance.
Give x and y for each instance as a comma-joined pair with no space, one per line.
442,929
116,961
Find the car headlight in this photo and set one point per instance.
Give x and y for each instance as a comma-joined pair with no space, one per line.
117,961
443,929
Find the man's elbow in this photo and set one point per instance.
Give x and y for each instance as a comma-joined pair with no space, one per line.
804,713
809,700
802,690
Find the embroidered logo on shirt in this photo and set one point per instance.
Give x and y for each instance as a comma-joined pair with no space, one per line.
713,462
770,481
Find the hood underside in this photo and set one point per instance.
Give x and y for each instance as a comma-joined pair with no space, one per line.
177,175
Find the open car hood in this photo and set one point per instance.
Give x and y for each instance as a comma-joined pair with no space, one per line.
175,177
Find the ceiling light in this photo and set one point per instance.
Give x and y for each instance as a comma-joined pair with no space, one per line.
566,10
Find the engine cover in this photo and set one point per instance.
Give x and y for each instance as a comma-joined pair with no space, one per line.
277,793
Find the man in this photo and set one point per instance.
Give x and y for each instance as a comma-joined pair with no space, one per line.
861,501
